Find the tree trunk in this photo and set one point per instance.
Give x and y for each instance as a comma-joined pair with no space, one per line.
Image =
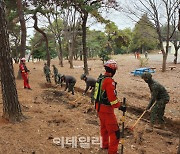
60,52
165,53
176,46
23,32
167,46
84,42
11,106
76,56
45,38
31,53
162,49
176,54
81,57
16,53
23,27
175,57
164,62
179,21
70,53
16,43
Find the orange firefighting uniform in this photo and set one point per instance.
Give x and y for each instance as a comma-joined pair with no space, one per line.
110,132
24,74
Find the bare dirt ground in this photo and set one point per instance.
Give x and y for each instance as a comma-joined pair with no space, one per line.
52,113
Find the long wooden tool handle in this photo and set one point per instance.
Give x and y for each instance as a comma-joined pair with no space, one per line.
141,116
138,119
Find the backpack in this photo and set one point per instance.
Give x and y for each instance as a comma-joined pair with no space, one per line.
97,88
100,96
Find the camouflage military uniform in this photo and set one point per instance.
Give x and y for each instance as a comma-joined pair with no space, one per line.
59,79
55,70
47,73
70,82
90,83
159,96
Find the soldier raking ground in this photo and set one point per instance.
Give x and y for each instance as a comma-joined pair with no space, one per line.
90,83
70,82
159,96
55,71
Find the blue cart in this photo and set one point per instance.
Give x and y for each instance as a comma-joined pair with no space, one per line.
140,71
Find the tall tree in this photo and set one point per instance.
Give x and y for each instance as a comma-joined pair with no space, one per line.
144,35
71,21
52,10
14,28
23,27
43,34
96,42
117,39
85,8
111,30
38,10
38,46
159,12
56,27
11,106
176,37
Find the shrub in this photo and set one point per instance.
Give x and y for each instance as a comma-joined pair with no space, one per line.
143,62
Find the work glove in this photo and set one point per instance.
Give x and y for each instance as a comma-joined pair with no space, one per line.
122,108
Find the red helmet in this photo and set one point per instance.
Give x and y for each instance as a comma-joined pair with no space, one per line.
23,59
111,64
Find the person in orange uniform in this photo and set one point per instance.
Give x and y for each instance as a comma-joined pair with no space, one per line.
106,100
24,73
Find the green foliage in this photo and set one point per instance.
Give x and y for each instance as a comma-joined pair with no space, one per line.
143,62
111,29
96,41
119,51
144,35
123,41
99,17
104,56
13,27
10,4
126,35
57,26
119,40
40,48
